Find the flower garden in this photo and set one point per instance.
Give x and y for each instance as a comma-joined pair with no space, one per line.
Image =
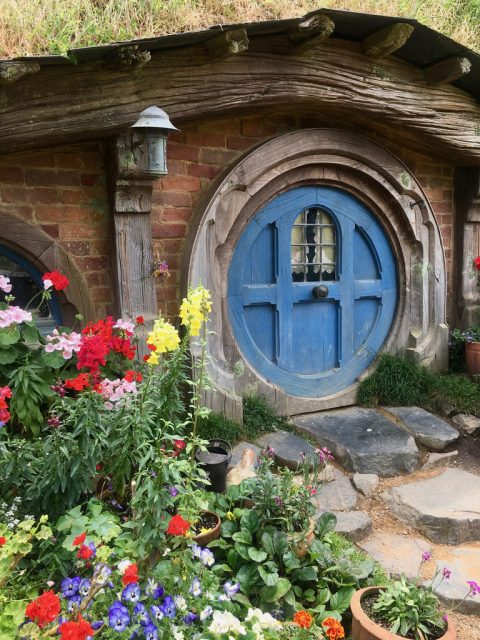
102,497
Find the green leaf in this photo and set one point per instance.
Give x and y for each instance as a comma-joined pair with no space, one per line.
8,355
243,600
267,543
323,596
325,524
340,601
280,542
243,536
228,528
305,574
271,594
55,360
247,577
9,336
257,555
269,579
31,334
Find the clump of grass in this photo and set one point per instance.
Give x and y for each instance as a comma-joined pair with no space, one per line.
398,381
216,426
36,27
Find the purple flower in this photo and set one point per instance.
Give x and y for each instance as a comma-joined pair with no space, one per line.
156,612
230,589
196,588
196,550
141,614
93,548
474,587
426,555
101,574
131,593
446,573
151,632
190,618
207,558
445,617
154,589
153,474
173,491
69,586
168,607
84,587
118,616
278,501
98,624
74,602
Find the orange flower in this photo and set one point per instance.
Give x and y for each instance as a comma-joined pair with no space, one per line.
303,619
333,629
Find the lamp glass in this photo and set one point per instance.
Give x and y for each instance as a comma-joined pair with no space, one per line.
157,151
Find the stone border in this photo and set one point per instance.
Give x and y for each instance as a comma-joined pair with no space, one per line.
385,185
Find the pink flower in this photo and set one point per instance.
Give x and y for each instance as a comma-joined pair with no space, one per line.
5,284
474,587
124,325
426,555
446,573
67,343
13,315
47,284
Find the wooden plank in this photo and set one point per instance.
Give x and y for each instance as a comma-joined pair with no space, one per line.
11,71
311,32
229,43
387,40
447,70
67,103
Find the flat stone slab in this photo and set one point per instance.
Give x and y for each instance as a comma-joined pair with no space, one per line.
397,554
467,423
436,460
445,508
429,430
237,452
464,564
354,525
338,495
365,483
363,440
287,446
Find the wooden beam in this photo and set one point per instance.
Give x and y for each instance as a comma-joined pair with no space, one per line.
11,71
229,43
130,57
448,70
68,103
388,40
311,32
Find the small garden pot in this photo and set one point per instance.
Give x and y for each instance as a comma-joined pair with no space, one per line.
208,518
472,357
215,460
364,628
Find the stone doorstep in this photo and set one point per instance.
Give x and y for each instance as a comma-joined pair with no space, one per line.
288,447
429,430
464,564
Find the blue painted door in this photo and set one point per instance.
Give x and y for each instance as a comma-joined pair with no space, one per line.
312,290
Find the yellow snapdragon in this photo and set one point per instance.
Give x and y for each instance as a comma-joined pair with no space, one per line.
195,309
164,337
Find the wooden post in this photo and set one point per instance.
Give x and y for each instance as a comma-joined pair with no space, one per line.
388,40
448,70
311,32
132,204
229,43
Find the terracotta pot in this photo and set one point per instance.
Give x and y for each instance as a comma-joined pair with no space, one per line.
212,534
304,545
363,627
472,358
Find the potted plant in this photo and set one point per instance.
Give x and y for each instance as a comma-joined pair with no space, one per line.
471,338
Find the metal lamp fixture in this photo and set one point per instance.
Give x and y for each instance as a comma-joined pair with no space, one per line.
154,125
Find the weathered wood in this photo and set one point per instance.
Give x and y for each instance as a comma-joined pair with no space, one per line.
11,71
447,70
311,32
130,57
69,103
388,40
133,232
229,43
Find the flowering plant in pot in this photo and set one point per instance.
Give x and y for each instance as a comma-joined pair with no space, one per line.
404,609
470,338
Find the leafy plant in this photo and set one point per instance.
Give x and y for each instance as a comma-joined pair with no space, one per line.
258,417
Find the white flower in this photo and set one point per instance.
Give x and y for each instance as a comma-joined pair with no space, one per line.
123,565
177,634
262,620
47,284
180,603
206,613
5,284
224,622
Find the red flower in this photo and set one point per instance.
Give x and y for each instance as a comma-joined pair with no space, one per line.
79,383
178,526
85,553
130,575
303,619
476,262
79,539
93,353
3,541
99,466
59,281
333,629
44,609
145,358
152,347
140,320
179,444
5,392
78,630
130,376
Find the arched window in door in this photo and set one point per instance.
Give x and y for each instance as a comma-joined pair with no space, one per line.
26,280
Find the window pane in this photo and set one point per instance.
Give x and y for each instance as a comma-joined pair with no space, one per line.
313,246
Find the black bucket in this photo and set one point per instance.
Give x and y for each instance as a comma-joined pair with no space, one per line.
215,460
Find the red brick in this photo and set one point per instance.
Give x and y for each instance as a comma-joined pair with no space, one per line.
42,196
176,136
75,196
160,230
231,127
51,229
178,199
166,293
171,246
101,247
77,248
96,278
89,179
241,143
67,160
436,182
93,263
206,139
177,167
77,230
23,211
257,127
176,215
203,170
435,194
442,207
39,177
14,194
181,183
447,195
11,175
41,159
101,294
222,157
179,151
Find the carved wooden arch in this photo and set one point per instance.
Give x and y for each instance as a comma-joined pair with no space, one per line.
45,253
370,172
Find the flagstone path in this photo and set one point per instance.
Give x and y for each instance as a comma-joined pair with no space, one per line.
397,497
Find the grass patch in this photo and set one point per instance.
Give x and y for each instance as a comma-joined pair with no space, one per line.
341,546
258,418
36,27
401,382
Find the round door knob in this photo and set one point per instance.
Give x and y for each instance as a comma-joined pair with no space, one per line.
320,292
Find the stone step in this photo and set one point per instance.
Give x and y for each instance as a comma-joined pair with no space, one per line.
463,564
396,553
363,440
338,495
354,525
428,430
445,508
287,446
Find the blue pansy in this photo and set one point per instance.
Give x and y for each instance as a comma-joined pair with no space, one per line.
196,588
196,550
151,632
131,593
84,587
156,612
74,602
207,557
98,624
141,614
168,607
190,618
154,589
118,616
102,574
69,586
231,589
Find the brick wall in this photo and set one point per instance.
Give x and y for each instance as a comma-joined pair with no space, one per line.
198,153
62,191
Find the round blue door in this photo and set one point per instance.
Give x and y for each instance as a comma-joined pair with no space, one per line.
312,290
